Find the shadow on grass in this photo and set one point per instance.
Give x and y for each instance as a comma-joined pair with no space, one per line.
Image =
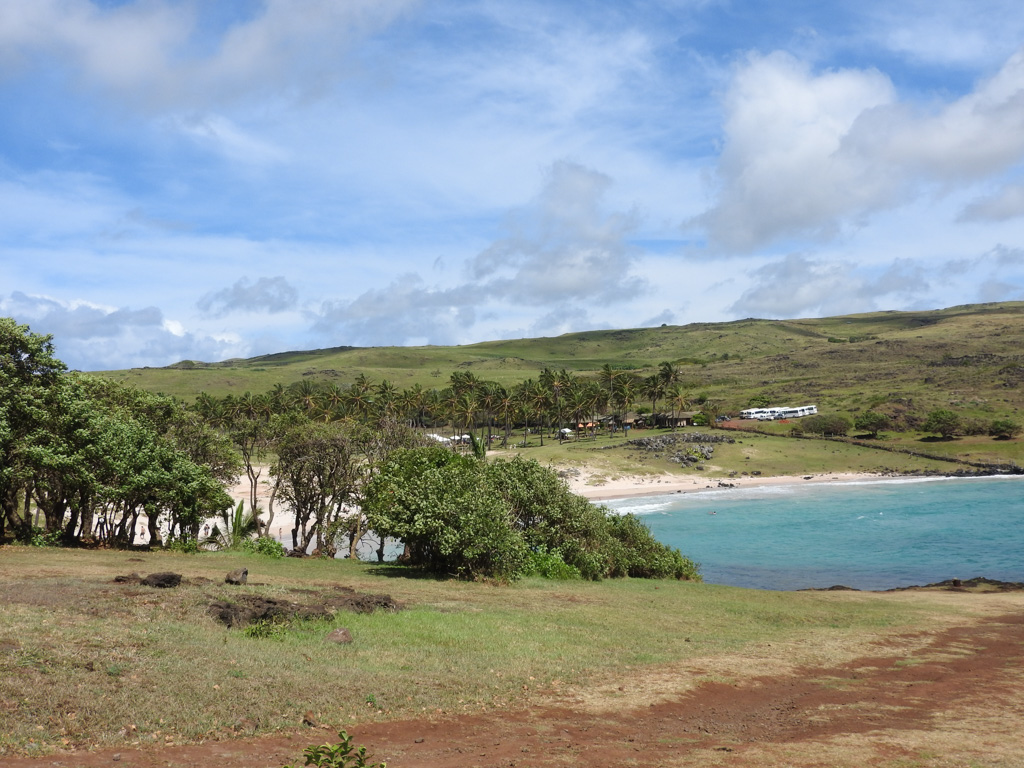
407,572
939,439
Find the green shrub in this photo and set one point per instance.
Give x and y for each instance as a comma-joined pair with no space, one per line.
505,520
342,755
264,545
550,565
829,426
184,546
40,538
942,421
1004,429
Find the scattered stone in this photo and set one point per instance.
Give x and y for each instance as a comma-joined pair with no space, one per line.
239,576
164,580
977,584
340,635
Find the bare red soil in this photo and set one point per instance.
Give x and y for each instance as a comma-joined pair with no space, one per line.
955,699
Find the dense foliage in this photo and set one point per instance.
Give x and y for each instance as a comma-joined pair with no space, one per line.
456,515
92,457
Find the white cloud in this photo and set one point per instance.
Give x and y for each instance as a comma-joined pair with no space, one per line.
562,250
268,294
563,247
89,336
780,171
810,155
947,32
1007,203
796,286
158,55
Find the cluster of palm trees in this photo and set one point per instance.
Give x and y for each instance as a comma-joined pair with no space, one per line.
552,401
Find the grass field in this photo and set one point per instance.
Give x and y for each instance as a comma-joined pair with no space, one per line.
87,662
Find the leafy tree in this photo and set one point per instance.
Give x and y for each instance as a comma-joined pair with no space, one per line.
1004,429
942,422
433,501
872,422
827,425
462,517
28,368
318,466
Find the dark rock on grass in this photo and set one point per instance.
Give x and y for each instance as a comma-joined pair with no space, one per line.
247,609
163,580
238,576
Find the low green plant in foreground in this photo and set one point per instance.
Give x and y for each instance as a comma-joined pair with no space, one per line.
341,755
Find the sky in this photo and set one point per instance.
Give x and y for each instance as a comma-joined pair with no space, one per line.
185,179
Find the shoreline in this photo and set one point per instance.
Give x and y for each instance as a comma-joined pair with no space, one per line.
633,486
636,486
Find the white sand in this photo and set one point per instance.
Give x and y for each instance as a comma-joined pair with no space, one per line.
592,486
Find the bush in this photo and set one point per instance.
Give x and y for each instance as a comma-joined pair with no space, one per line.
184,546
1004,429
40,538
264,545
829,426
943,422
550,565
975,426
872,422
505,520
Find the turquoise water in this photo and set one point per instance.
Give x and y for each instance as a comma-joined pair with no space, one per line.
866,535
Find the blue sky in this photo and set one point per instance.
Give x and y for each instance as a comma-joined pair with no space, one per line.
182,179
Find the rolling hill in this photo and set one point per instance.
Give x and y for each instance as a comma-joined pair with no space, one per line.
969,357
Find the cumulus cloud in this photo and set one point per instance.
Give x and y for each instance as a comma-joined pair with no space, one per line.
798,286
563,250
561,320
268,295
93,337
1006,204
407,309
807,155
564,247
158,54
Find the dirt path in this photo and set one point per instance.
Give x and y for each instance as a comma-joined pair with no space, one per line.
956,698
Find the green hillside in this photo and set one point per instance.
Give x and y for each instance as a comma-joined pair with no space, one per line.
969,357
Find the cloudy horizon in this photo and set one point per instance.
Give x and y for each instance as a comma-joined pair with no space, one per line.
189,180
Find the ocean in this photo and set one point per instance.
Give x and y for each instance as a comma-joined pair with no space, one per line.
872,535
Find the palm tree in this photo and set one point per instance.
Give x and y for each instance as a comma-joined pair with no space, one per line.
625,394
678,399
358,397
234,528
607,376
668,373
654,388
489,397
305,396
386,399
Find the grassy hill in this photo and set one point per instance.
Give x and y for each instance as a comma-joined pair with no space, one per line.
969,357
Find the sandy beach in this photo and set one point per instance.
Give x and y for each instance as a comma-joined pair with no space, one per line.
627,486
597,487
